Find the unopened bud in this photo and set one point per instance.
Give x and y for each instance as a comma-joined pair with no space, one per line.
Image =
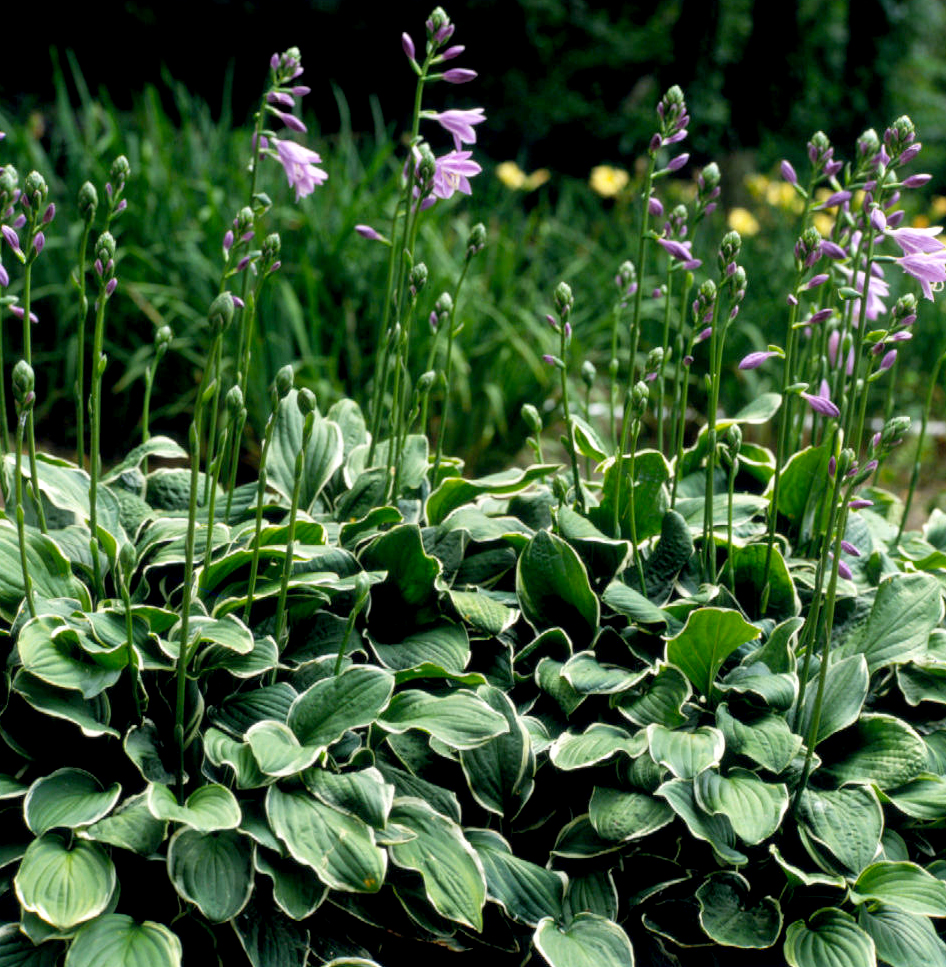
234,402
105,248
284,380
895,429
119,172
531,417
270,247
418,277
35,188
563,299
220,314
477,239
588,373
23,382
306,401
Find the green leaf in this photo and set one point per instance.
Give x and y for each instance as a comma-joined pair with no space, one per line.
212,870
831,937
17,950
760,409
445,646
67,798
632,604
848,822
340,848
598,743
778,691
277,751
907,607
619,815
686,754
323,455
499,772
715,830
902,939
922,798
364,794
906,886
589,677
51,649
553,589
588,941
208,809
130,827
578,839
592,892
548,676
145,747
412,572
923,682
804,480
726,918
459,719
882,749
90,715
296,891
753,807
708,638
453,874
64,884
271,939
658,699
242,710
845,690
116,940
749,566
648,491
332,706
671,554
453,492
526,892
482,612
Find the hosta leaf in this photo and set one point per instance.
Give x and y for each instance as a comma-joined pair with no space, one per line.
445,646
340,848
548,676
17,950
749,567
883,750
364,794
619,815
271,939
579,839
524,890
411,571
90,715
804,480
632,604
708,638
588,941
902,939
922,798
767,740
207,809
277,751
332,706
453,492
116,940
598,743
726,918
212,870
242,710
799,877
778,691
147,749
844,694
848,822
69,798
830,938
715,830
907,607
753,807
296,890
658,699
553,588
589,677
592,892
64,884
482,612
686,754
453,874
647,491
499,772
460,719
130,827
906,886
221,750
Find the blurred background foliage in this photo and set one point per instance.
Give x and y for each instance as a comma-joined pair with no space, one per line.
566,85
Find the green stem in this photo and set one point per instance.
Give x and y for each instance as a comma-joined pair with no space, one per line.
638,560
665,344
131,654
709,541
20,522
30,433
570,426
730,557
95,459
214,416
80,350
237,433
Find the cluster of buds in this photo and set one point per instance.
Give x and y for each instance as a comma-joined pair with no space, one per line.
902,317
236,242
105,265
476,241
900,141
286,67
23,383
703,306
563,300
821,156
730,445
220,313
417,279
676,224
441,311
808,248
626,280
728,253
114,188
707,189
654,364
672,111
439,31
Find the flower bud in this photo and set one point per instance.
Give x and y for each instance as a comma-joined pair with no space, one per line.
23,384
234,403
808,247
895,429
904,310
899,135
654,363
426,168
220,314
35,188
8,182
626,279
270,247
638,397
531,417
119,172
425,382
676,224
588,373
846,460
105,248
705,299
819,150
306,401
437,20
708,178
284,380
729,248
418,278
162,340
563,299
477,240
868,144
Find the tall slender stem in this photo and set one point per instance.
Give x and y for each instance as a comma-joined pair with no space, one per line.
30,433
20,523
95,460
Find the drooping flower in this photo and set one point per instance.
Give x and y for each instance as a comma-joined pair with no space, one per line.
459,124
877,290
821,403
915,240
299,163
453,172
755,360
928,268
679,251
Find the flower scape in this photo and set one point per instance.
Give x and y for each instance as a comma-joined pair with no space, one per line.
661,695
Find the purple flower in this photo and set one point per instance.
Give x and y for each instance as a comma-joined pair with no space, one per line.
280,98
408,45
820,316
291,122
678,250
821,404
654,207
843,569
366,231
832,200
675,164
459,124
299,164
889,359
878,220
12,238
228,240
110,287
915,240
877,290
453,172
458,75
788,173
928,268
754,360
18,312
849,548
832,249
451,52
4,277
817,280
860,502
915,181
39,242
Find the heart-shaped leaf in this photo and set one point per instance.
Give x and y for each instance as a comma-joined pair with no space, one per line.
67,798
686,754
116,940
848,822
214,871
906,886
708,638
588,941
829,937
726,918
902,939
207,809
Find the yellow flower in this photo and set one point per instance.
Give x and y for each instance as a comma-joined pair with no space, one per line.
608,181
538,178
511,175
920,221
824,223
938,208
757,184
743,221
